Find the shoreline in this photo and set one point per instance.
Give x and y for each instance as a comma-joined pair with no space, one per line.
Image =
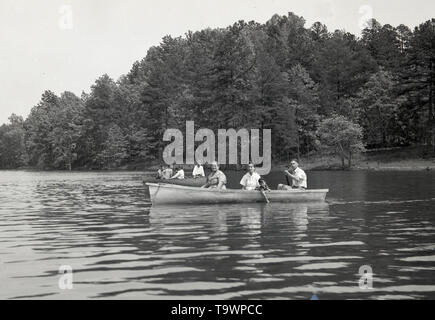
408,165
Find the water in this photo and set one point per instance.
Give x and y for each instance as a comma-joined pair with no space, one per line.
102,225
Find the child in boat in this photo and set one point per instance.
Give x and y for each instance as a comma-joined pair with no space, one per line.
263,185
159,175
179,174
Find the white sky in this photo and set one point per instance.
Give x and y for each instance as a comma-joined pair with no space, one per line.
38,53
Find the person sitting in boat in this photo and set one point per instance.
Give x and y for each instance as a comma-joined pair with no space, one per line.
167,173
179,174
198,171
262,185
159,174
216,179
250,179
298,176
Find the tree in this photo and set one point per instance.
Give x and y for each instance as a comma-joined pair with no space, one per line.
404,35
422,67
39,125
271,106
305,99
290,41
342,136
100,112
232,75
67,131
12,146
114,149
319,32
160,93
385,44
341,67
378,110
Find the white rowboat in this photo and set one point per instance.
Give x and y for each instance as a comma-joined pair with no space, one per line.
163,194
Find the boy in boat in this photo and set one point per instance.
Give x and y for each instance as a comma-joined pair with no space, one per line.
159,174
167,173
298,176
262,185
216,179
179,174
250,179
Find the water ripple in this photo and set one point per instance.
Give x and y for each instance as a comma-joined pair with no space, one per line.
119,247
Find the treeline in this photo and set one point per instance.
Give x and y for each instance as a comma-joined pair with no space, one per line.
315,89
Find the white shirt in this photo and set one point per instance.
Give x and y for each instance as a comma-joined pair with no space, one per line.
198,171
179,174
167,173
302,182
250,182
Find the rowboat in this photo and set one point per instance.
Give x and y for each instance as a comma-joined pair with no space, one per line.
164,194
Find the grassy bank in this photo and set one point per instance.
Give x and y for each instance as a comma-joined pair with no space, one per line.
395,159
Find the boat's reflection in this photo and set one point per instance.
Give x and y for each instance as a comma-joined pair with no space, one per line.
252,217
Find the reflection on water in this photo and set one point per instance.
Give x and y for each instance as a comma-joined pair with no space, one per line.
102,225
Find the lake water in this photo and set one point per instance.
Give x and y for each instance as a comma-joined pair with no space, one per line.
103,227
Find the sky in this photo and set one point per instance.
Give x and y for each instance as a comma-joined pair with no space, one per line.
65,45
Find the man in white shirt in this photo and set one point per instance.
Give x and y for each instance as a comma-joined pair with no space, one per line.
298,176
250,179
198,171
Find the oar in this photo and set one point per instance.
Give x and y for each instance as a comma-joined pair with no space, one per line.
264,195
288,181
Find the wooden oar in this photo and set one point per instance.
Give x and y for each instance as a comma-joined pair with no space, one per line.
288,181
264,195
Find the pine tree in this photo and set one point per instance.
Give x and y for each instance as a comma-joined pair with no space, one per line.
114,150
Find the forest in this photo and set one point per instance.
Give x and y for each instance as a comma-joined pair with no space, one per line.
317,90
